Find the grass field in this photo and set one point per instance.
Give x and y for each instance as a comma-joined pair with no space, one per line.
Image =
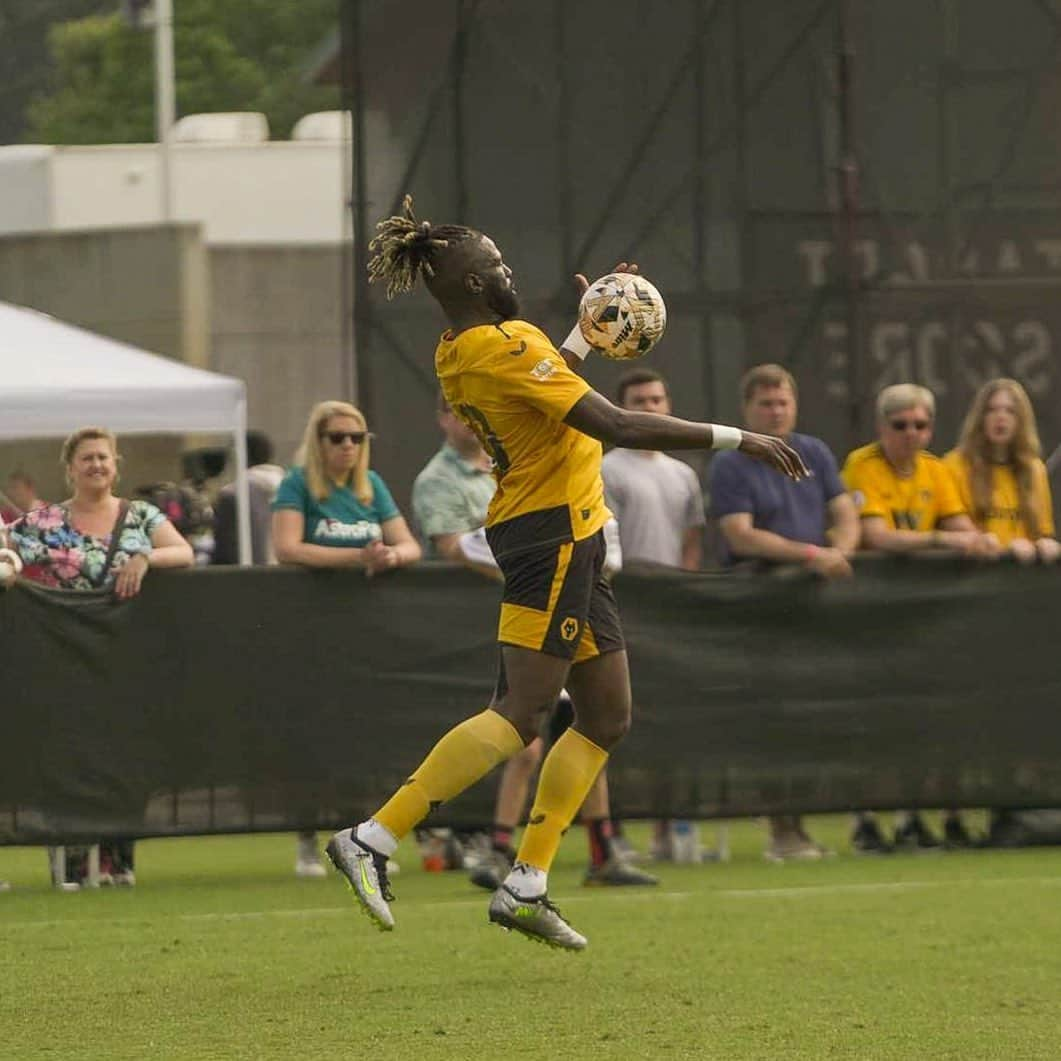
220,953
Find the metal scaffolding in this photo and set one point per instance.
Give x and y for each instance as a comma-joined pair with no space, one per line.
808,182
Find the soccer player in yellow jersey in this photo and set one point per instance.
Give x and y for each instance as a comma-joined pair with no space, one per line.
908,501
543,426
999,472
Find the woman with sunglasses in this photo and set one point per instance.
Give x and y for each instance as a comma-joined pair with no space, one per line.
330,509
1000,475
908,501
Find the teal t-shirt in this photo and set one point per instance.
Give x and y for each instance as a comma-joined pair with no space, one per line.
340,519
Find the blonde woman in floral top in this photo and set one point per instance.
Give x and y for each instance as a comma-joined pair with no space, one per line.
69,546
66,546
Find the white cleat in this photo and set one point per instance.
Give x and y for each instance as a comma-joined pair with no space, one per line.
536,918
366,872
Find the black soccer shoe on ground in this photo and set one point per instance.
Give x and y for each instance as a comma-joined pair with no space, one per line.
914,835
868,840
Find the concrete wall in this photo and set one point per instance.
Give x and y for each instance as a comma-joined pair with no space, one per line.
145,286
278,323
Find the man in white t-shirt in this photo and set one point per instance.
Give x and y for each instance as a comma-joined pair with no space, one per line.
659,505
656,499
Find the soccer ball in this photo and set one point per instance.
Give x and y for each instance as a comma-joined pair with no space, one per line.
622,316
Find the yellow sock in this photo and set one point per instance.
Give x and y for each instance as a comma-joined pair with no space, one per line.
470,750
567,775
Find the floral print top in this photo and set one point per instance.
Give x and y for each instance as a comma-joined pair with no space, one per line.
56,554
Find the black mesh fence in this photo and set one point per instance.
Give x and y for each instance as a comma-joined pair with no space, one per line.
863,191
223,701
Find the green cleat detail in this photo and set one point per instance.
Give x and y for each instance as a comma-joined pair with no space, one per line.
365,871
537,919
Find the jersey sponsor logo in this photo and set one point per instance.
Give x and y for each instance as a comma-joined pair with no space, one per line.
522,349
536,819
905,520
543,369
333,530
569,629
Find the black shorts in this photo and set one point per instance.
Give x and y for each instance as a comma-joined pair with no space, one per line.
557,600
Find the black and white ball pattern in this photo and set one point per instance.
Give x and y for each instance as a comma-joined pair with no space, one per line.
622,316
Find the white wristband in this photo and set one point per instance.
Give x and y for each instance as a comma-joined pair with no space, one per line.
577,344
723,437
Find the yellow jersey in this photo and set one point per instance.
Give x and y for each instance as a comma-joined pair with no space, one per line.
509,384
917,502
1004,517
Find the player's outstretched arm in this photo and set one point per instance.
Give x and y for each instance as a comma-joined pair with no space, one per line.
597,417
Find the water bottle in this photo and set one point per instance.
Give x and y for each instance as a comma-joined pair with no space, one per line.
433,851
685,840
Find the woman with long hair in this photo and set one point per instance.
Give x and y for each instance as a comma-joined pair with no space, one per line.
1000,475
95,540
332,510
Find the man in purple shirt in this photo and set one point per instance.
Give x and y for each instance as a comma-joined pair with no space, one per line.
762,517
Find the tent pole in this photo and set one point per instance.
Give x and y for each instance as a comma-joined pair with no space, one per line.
243,499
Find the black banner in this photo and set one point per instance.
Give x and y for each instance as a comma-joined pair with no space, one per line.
231,700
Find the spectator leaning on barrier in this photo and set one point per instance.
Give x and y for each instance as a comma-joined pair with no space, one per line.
1001,478
332,510
659,505
764,517
450,500
452,493
96,540
1005,487
908,502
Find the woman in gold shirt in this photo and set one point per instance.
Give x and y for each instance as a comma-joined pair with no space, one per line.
1000,475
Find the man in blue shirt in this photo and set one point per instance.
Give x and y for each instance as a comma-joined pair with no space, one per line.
763,517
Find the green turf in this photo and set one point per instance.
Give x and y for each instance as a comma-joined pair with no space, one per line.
220,953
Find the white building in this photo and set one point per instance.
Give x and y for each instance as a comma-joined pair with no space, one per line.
224,173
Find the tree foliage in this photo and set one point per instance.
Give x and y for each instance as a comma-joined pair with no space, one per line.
25,65
228,57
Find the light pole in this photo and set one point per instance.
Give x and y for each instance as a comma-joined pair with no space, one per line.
158,15
165,102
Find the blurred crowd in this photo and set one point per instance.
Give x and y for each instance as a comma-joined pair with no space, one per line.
987,496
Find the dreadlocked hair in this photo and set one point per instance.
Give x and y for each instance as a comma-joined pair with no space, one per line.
405,248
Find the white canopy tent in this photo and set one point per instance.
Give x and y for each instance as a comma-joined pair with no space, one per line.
55,378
